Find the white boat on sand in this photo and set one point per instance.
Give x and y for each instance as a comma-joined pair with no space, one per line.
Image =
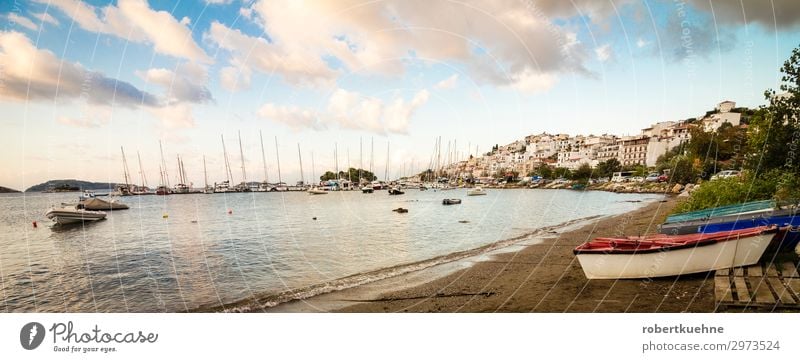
662,255
70,214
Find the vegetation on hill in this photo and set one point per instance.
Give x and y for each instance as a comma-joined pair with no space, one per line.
70,185
6,190
767,151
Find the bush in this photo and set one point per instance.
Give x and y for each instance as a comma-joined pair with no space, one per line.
729,191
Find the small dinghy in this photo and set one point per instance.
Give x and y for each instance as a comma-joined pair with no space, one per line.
367,189
395,191
478,191
400,210
316,191
70,214
663,255
97,204
451,201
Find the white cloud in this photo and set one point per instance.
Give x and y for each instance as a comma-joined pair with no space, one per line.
30,73
185,84
533,82
500,42
641,43
235,78
350,110
134,20
46,18
218,2
297,67
604,52
448,83
22,21
174,116
294,117
78,122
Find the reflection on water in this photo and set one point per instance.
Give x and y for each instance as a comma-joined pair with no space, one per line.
178,252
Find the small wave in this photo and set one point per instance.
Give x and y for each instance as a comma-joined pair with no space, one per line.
266,301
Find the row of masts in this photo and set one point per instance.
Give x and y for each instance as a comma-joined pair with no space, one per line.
185,186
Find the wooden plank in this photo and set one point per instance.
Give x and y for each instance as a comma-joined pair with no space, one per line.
742,294
722,289
794,285
784,295
761,291
738,272
771,270
754,271
723,272
789,270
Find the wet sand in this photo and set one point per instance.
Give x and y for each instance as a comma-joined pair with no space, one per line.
543,276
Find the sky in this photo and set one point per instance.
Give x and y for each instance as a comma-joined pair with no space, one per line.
82,79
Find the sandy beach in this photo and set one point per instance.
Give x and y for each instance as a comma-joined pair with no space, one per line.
543,277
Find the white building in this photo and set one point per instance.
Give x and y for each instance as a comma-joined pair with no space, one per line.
723,115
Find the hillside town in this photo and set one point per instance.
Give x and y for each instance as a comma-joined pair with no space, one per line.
522,157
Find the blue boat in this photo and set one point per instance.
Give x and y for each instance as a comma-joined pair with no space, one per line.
738,209
788,222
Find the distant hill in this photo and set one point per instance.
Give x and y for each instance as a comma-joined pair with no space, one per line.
70,185
6,190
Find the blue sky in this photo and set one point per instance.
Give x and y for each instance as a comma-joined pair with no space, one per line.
80,79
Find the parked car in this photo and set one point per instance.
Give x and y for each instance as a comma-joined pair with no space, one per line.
726,174
637,179
653,177
663,178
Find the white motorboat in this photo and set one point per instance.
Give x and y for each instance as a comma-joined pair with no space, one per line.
667,255
70,214
316,191
478,191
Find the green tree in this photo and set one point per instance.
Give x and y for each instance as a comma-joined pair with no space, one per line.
544,170
608,167
583,173
562,172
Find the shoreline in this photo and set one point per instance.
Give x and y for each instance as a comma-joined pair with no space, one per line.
539,277
278,301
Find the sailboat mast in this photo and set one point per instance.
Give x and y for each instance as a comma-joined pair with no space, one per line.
313,172
349,175
336,160
300,156
205,173
386,172
278,157
263,157
228,171
372,157
184,180
241,155
125,168
142,177
360,159
165,174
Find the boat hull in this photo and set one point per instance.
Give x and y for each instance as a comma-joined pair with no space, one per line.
676,261
62,217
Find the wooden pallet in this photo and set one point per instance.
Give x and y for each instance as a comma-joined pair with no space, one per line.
763,287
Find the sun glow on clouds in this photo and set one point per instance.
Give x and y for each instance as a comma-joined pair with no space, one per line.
350,110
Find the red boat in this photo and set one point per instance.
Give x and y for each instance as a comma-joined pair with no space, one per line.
666,255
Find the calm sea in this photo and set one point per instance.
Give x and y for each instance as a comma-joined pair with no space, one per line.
217,249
